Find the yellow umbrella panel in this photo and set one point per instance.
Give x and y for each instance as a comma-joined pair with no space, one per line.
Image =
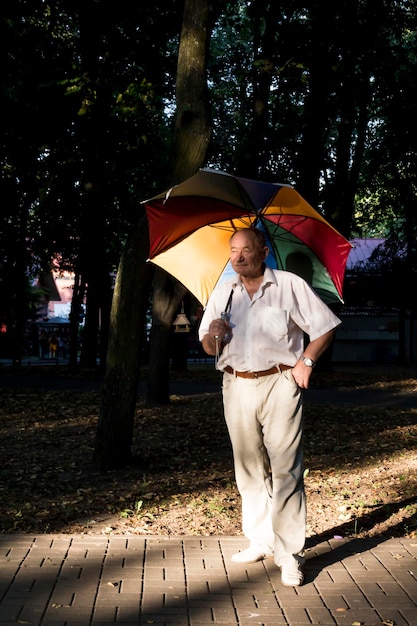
199,260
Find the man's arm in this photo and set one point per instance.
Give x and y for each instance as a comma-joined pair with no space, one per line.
313,351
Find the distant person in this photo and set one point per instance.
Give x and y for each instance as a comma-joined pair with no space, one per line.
259,341
53,347
43,345
61,347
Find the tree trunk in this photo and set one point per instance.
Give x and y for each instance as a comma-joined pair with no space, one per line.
89,349
96,328
192,136
130,298
76,308
254,153
113,446
316,110
167,293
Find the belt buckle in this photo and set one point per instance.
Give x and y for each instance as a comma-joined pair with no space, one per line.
256,374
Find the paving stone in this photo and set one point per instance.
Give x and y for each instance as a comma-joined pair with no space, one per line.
56,580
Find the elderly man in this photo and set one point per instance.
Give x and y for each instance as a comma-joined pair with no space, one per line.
255,324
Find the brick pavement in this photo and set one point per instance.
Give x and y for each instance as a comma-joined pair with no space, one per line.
68,580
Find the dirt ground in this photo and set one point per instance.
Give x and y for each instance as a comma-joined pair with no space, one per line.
360,460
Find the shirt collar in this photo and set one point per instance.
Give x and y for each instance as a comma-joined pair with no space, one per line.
269,277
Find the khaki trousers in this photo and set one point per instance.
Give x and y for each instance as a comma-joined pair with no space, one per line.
264,417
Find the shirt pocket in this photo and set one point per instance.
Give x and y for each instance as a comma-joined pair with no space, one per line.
274,322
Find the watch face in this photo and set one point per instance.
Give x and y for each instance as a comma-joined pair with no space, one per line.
308,362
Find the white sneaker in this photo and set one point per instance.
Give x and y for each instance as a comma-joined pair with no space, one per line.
250,555
291,574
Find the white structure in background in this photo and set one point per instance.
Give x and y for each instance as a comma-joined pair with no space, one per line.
372,332
65,286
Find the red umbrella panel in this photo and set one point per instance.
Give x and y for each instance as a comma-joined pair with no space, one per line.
190,226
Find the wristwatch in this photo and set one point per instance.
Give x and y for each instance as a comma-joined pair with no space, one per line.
307,361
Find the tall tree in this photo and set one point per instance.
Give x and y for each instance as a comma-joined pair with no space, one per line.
191,140
113,447
113,444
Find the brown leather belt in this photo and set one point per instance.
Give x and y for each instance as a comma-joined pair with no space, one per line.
272,370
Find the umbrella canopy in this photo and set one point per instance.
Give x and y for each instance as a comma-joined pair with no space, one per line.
190,226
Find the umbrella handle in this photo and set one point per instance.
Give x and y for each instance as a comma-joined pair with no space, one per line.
225,316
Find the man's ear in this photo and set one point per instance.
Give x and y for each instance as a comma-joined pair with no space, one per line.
266,252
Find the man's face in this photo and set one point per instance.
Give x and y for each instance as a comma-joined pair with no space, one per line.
246,256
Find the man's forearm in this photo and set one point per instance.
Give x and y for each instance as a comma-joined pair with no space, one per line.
315,348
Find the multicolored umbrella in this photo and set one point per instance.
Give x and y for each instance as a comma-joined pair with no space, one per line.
190,226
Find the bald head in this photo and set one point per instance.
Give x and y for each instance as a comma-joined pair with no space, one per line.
248,252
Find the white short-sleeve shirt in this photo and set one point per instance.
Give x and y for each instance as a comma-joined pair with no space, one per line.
269,329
